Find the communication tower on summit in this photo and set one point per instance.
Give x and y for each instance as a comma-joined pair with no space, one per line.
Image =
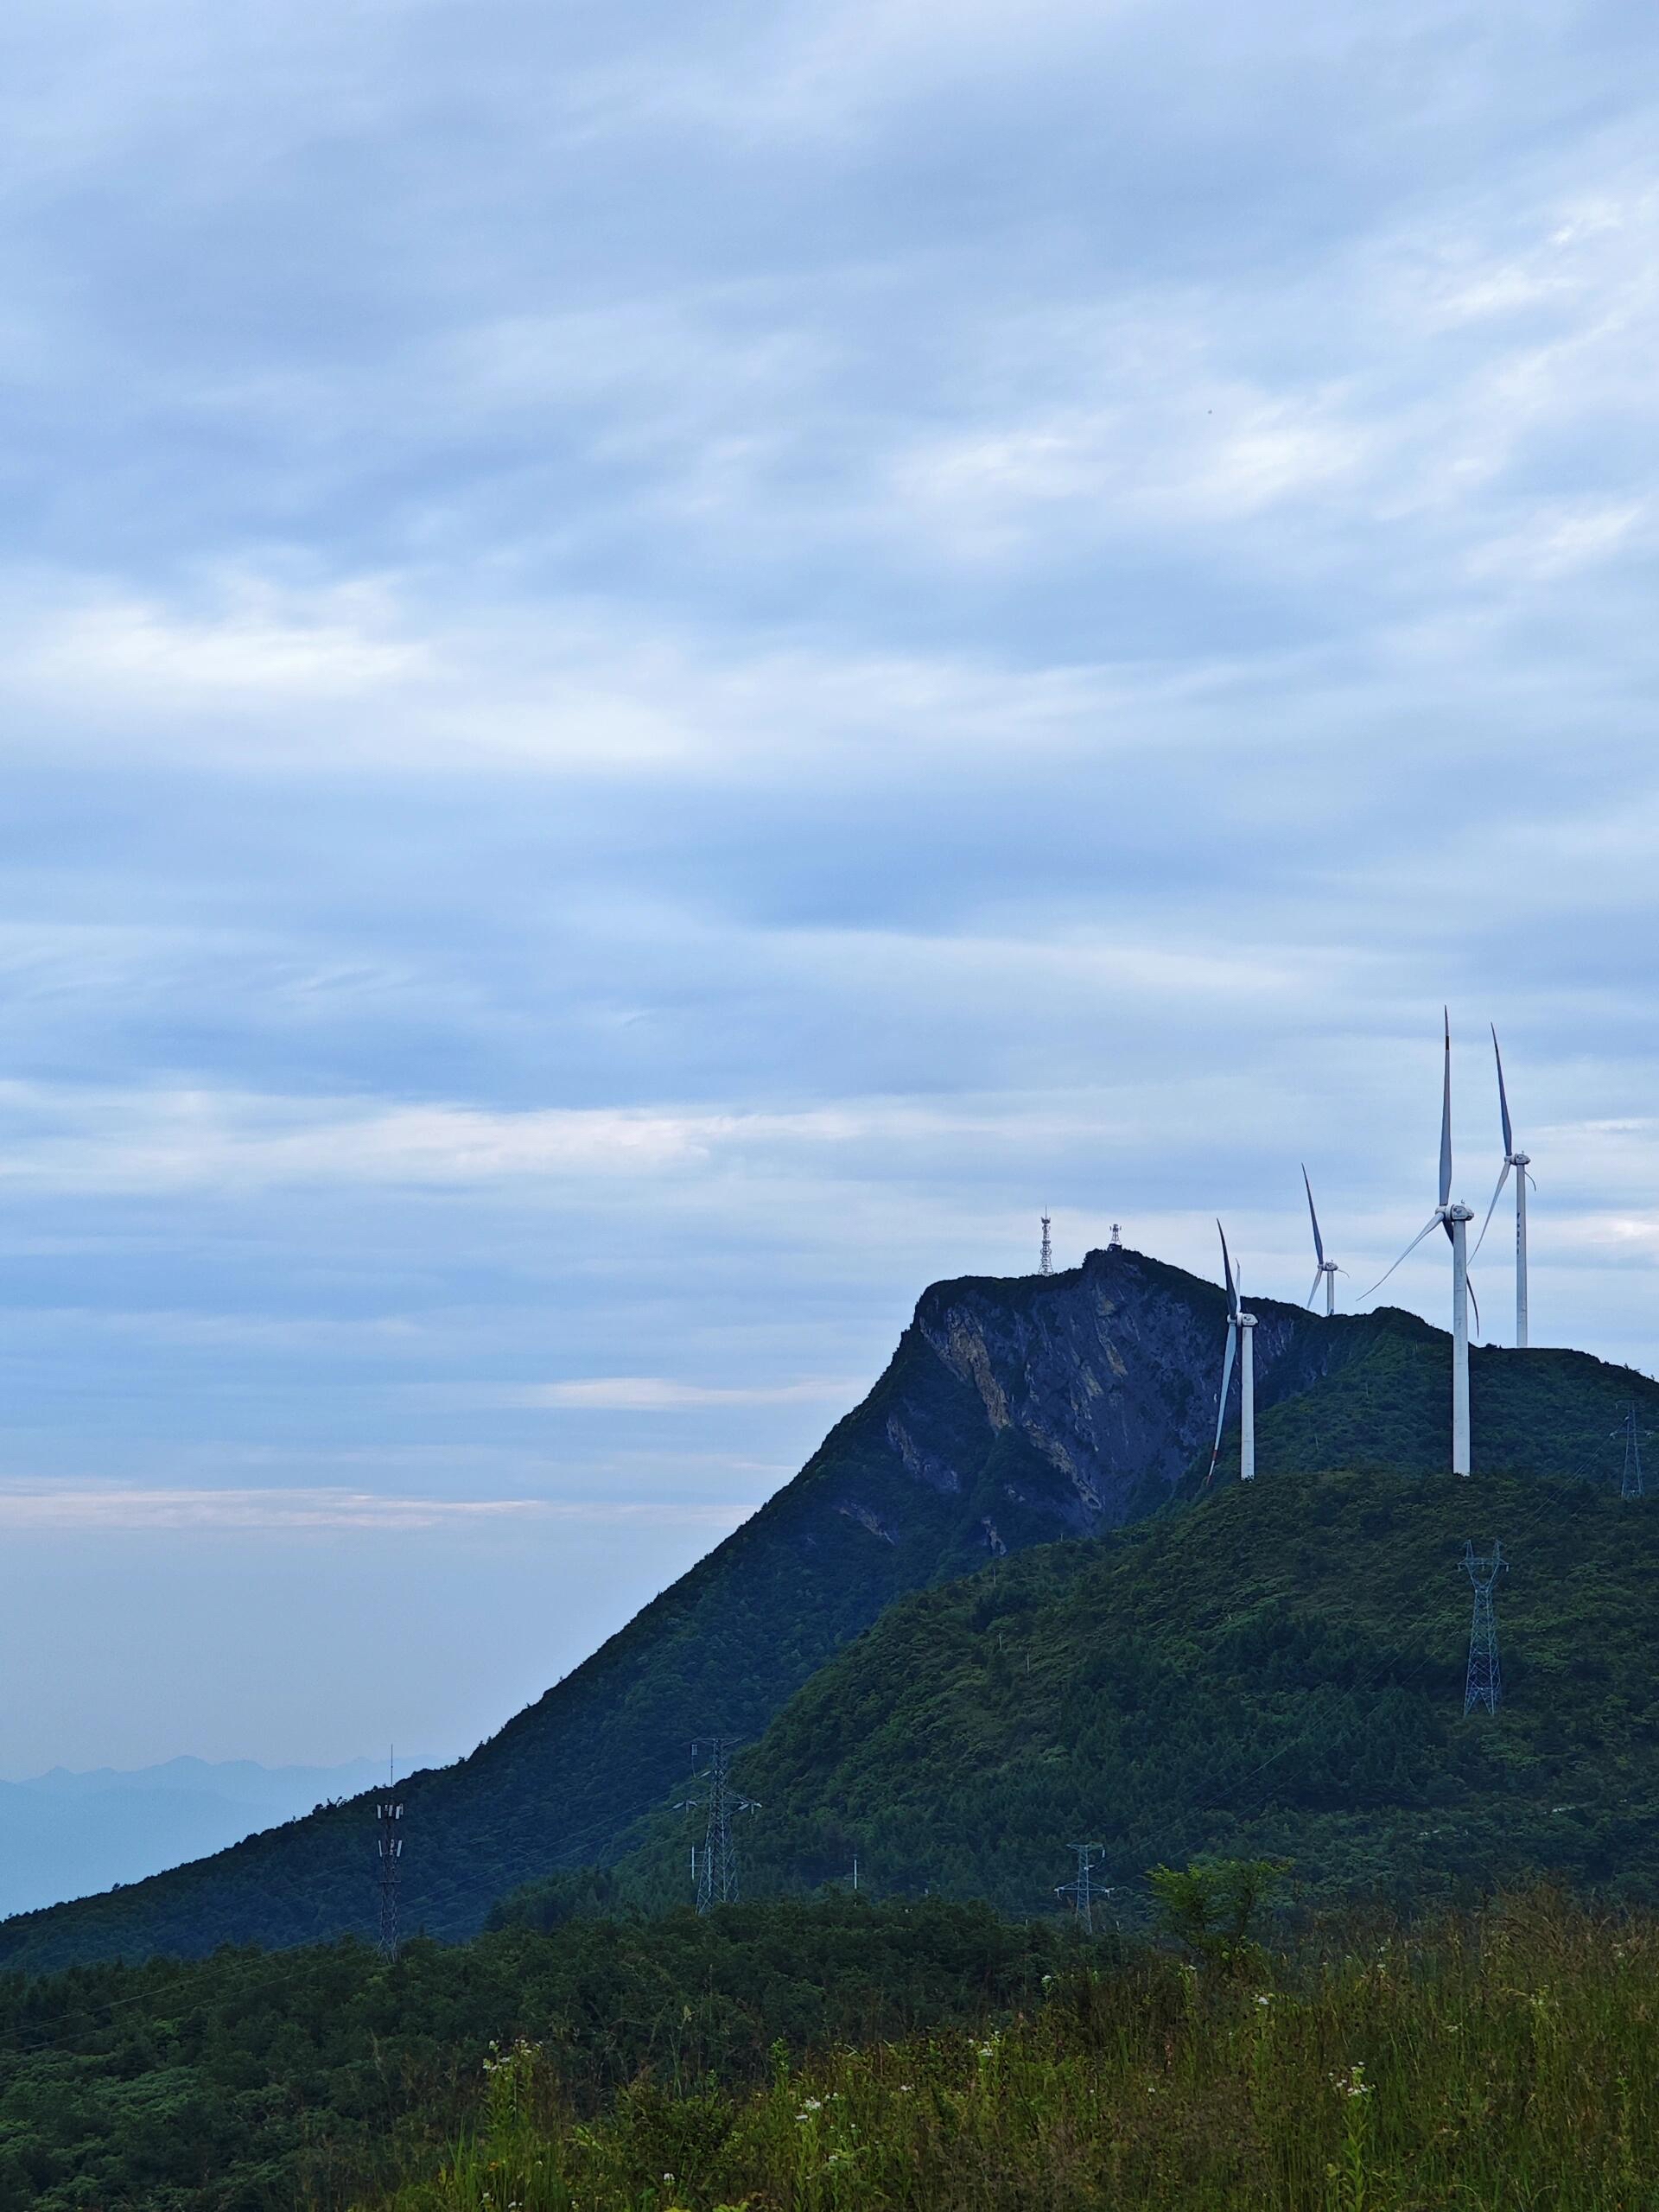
1045,1264
389,1837
715,1868
1114,1242
1483,1684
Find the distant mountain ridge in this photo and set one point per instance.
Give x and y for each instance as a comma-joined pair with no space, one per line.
1013,1413
238,1781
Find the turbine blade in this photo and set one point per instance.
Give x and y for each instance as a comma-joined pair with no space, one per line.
1221,1411
1314,1292
1503,1097
1445,1121
1227,1275
1433,1222
1318,1241
1473,1301
1491,1210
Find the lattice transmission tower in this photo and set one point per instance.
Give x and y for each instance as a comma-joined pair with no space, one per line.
1045,1264
1082,1891
1483,1684
715,1869
1631,1485
389,1837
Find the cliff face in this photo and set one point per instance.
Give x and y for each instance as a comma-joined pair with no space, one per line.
1013,1414
1087,1397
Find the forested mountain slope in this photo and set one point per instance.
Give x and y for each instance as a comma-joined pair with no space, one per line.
1279,1671
1012,1413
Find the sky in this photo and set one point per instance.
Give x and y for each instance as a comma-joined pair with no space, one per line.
660,669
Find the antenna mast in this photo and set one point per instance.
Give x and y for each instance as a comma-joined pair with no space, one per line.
715,1865
1483,1684
1045,1264
389,1837
1114,1242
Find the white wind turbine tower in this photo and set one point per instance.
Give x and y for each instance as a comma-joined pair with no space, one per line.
1239,1327
1328,1270
1455,1220
1519,1161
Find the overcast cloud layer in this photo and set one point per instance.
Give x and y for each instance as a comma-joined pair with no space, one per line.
660,668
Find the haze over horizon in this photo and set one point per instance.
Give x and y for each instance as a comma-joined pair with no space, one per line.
661,673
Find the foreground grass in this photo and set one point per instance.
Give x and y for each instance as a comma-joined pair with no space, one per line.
1505,2062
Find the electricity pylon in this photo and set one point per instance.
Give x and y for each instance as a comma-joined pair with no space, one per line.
1631,1485
1483,1684
715,1865
1082,1890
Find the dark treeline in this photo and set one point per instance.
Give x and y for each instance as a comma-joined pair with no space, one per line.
1482,2061
840,2053
254,2079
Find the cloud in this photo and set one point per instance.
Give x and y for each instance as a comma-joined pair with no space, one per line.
180,1140
263,645
90,1143
117,1510
654,1393
243,675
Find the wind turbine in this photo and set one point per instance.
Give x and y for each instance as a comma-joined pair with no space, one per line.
1455,1220
1327,1269
1519,1161
1239,1327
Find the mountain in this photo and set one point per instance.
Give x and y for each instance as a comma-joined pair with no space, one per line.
66,1835
1013,1414
1278,1672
